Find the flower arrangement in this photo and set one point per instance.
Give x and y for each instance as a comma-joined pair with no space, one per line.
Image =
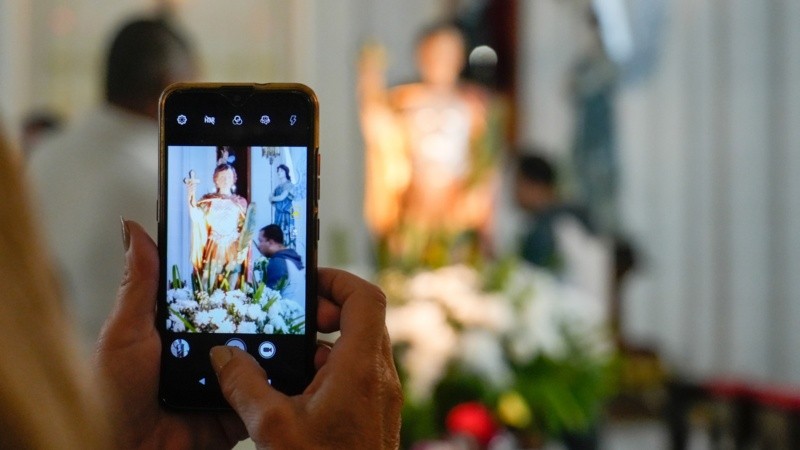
250,309
533,350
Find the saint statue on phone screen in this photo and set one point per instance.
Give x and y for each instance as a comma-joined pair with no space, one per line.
218,251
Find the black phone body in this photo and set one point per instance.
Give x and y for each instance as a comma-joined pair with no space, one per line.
239,172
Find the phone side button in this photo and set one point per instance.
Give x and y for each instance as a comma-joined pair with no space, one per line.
318,229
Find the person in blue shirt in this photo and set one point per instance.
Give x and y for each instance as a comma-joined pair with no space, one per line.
536,192
285,271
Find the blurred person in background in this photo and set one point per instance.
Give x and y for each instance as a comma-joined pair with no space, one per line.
558,235
39,125
537,193
51,398
106,165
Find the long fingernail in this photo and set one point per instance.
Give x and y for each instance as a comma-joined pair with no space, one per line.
220,355
126,234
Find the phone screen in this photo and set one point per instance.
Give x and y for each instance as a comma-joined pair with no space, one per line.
238,231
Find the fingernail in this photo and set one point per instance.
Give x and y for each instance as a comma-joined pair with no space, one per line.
220,355
126,234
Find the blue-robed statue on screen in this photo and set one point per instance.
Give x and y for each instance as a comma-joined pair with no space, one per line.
282,198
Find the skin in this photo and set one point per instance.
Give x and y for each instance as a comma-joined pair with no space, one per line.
224,181
354,400
440,58
534,196
281,179
268,247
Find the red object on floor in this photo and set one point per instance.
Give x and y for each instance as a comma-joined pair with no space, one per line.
472,419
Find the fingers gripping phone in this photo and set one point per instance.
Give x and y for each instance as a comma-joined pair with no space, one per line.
237,234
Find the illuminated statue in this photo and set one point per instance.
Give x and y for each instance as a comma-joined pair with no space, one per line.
220,234
430,164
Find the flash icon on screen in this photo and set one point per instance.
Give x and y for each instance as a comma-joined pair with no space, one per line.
292,119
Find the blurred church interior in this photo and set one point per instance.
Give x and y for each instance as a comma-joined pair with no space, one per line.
672,120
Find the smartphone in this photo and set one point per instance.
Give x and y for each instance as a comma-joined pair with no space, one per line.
237,234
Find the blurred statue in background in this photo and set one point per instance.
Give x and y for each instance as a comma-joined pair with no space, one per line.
430,156
593,83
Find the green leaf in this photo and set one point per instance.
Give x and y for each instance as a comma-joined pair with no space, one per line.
189,325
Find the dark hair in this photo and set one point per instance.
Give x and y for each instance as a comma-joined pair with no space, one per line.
536,169
140,59
440,27
273,232
285,169
223,167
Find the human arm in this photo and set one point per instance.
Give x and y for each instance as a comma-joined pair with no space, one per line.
127,364
388,169
280,194
276,270
191,188
354,400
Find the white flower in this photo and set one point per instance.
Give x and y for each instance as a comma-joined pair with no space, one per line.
235,298
254,312
247,327
217,298
291,308
449,317
226,326
277,322
203,318
179,295
268,294
432,342
175,324
218,315
269,329
481,353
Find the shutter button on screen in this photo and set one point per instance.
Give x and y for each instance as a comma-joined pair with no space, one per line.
238,343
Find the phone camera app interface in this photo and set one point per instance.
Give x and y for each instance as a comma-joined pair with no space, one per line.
236,250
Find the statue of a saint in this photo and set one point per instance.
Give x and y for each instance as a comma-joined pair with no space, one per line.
219,220
430,159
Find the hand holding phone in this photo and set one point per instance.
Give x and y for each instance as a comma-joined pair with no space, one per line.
127,364
354,400
238,226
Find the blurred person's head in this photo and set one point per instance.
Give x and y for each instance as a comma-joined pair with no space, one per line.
535,186
36,125
48,398
145,56
270,240
440,54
